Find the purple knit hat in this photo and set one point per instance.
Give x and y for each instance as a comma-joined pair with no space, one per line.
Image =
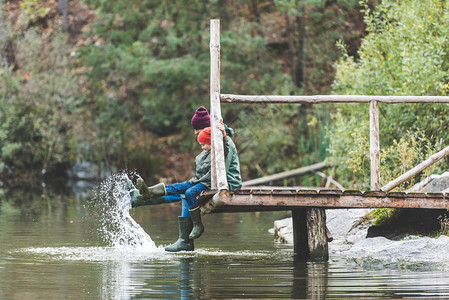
201,118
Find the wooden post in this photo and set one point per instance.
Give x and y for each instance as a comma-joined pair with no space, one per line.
309,234
409,174
300,237
374,147
317,234
218,170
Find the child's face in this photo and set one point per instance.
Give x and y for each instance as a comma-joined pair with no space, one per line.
205,147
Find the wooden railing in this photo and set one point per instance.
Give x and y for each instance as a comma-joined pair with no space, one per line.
218,170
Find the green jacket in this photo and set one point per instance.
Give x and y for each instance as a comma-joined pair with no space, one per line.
202,169
232,164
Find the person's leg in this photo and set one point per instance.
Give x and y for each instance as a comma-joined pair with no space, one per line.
184,243
185,209
193,193
175,192
178,188
195,213
141,194
174,198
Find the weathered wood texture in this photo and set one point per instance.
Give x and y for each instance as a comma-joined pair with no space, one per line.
300,236
374,148
229,98
218,170
419,168
281,199
287,174
317,237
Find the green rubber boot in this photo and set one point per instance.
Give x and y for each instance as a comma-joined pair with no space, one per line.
140,201
145,195
184,243
198,227
152,191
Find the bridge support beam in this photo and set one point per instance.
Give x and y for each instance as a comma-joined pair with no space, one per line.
309,234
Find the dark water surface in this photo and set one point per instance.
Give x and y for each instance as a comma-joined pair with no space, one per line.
50,248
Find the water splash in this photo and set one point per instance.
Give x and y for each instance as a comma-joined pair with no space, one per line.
117,228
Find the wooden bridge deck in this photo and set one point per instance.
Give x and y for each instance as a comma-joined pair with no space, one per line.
287,198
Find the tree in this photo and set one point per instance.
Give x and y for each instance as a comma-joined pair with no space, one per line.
404,53
37,107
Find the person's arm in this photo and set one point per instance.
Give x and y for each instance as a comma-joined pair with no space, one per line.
229,130
223,128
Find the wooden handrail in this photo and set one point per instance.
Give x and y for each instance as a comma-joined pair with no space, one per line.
229,98
422,166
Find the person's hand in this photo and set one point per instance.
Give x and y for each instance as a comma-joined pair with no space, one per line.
222,129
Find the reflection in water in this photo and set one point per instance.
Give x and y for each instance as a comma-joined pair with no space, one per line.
48,251
310,280
185,282
127,281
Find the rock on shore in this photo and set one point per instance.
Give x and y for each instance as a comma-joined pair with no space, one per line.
349,231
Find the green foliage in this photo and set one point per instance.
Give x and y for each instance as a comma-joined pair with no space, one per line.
144,68
275,138
34,9
384,216
157,69
405,53
35,106
155,57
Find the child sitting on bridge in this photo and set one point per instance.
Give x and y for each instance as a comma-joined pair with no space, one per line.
192,188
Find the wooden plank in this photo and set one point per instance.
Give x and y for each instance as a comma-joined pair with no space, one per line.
218,169
286,174
269,202
352,193
374,148
330,192
374,194
229,98
419,168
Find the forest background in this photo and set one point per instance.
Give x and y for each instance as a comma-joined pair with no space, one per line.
112,85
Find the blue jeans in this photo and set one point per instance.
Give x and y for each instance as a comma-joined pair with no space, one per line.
176,198
190,191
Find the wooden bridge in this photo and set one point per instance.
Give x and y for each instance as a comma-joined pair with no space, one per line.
308,204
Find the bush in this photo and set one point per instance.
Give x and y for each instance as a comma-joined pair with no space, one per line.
405,53
36,107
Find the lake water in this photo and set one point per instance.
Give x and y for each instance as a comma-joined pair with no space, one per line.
55,246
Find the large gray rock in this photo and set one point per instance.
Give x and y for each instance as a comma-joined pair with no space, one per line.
433,184
413,249
349,229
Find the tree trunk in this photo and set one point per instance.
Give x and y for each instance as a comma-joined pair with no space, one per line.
296,33
63,6
6,52
2,39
